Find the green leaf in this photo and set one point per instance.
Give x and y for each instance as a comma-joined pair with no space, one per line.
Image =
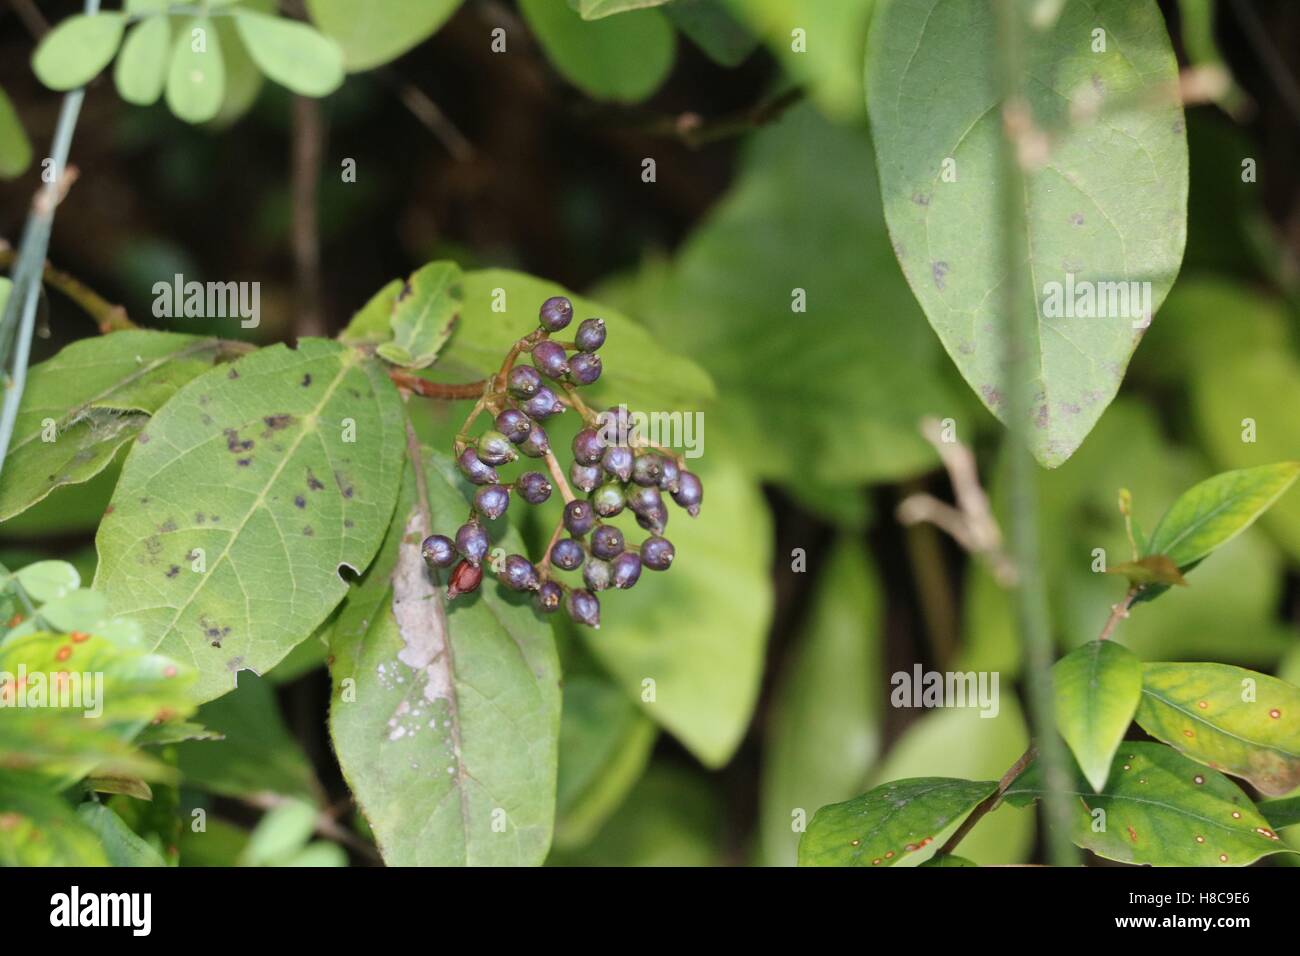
141,69
85,403
605,744
1234,720
1280,813
884,825
623,58
1160,809
501,306
175,732
373,34
698,635
1155,569
121,844
15,147
281,833
38,828
1097,690
1217,510
247,749
372,322
802,220
824,726
596,9
196,79
1107,205
423,314
948,859
709,25
48,580
293,54
283,467
446,732
243,79
74,52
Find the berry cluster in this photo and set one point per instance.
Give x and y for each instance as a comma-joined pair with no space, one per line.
612,466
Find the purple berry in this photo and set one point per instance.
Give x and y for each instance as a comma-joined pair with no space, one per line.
579,518
533,487
583,607
523,382
597,574
472,541
607,500
536,445
585,477
555,313
584,368
642,499
689,493
567,554
618,462
551,359
438,551
520,575
514,424
549,596
606,541
491,501
657,553
654,519
648,470
625,569
590,335
668,481
494,448
542,405
614,425
473,468
465,577
587,447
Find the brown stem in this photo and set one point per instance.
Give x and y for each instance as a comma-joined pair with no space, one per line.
308,145
989,802
426,389
544,568
557,474
1117,613
109,317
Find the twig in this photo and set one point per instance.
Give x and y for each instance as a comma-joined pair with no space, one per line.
1117,613
690,128
431,115
109,317
324,824
308,145
557,475
426,389
32,18
1268,55
989,802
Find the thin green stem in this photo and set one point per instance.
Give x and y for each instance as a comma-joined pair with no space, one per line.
1030,593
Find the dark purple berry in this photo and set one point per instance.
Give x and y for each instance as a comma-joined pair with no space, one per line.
579,518
520,575
625,570
551,359
438,551
533,487
587,447
657,553
491,501
642,499
473,468
668,480
567,554
514,424
689,493
590,335
465,577
472,541
614,425
536,445
549,596
584,368
555,313
585,477
583,607
618,462
542,405
649,468
495,448
607,500
606,541
597,574
654,520
523,382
